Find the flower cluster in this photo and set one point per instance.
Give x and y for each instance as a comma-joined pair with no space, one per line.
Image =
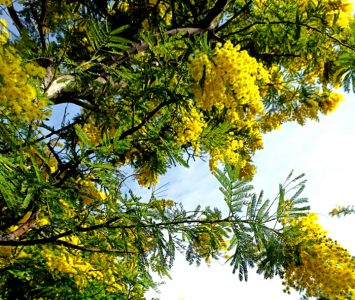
330,102
89,192
74,266
10,255
336,12
61,261
228,80
208,243
324,267
6,2
189,128
161,203
147,177
93,132
228,154
339,12
163,12
18,97
4,33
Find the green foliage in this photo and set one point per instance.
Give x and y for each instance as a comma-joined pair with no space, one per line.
255,240
103,39
342,211
347,62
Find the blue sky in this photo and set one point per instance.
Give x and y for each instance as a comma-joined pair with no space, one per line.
324,150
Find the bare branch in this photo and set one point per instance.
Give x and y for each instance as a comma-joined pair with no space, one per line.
40,21
15,18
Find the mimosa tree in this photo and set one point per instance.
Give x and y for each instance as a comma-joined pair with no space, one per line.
150,85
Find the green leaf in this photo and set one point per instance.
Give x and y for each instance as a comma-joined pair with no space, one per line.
83,137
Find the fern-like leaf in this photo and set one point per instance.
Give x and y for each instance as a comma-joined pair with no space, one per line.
103,39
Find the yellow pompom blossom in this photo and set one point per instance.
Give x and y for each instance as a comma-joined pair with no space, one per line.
338,11
42,222
18,98
4,33
147,177
163,11
89,192
228,80
330,102
347,6
207,243
325,268
228,154
189,128
53,164
93,132
6,2
10,254
161,204
63,261
124,6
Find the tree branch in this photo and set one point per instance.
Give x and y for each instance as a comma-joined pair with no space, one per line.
217,9
206,24
70,89
245,28
292,23
15,18
73,100
90,248
55,155
58,86
55,132
143,46
108,224
236,15
40,21
145,120
23,228
15,220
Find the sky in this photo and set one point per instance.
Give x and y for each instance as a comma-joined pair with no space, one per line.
324,151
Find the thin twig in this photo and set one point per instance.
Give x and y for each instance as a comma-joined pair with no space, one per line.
90,248
292,23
